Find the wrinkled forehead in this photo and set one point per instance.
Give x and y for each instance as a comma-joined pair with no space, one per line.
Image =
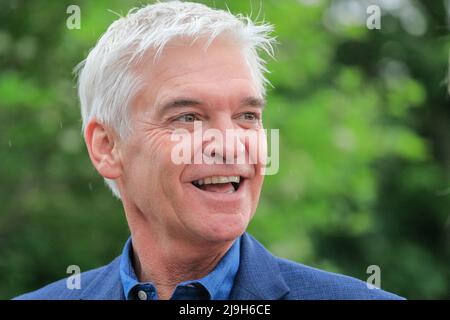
183,56
186,67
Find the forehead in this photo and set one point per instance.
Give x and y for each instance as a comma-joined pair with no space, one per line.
219,72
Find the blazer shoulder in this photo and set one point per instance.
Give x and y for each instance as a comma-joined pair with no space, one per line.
310,283
59,290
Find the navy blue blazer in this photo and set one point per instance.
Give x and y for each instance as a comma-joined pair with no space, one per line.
261,276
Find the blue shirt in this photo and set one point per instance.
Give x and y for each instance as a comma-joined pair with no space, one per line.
216,285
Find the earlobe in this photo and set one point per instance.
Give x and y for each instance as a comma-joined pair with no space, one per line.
102,146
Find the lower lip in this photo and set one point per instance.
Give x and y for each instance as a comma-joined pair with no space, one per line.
221,196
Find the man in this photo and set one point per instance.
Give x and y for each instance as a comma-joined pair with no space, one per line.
163,69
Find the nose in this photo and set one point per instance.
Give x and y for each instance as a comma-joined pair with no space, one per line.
221,143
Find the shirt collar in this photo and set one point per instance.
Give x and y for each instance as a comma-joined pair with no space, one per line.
218,282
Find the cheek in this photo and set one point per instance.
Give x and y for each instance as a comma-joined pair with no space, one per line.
257,186
254,142
147,162
152,148
255,190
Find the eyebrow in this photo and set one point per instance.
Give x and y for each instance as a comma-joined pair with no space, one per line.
186,102
180,102
253,102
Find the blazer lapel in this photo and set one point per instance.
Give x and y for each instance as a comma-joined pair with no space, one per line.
259,276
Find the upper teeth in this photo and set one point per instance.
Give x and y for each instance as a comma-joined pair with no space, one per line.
218,179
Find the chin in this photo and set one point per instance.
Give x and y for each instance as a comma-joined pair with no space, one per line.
226,228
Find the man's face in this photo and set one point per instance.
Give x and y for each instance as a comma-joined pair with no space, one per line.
213,87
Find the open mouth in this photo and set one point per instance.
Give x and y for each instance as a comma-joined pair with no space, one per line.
222,184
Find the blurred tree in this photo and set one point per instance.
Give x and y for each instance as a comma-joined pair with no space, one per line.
365,143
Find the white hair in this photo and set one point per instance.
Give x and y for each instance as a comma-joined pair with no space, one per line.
106,81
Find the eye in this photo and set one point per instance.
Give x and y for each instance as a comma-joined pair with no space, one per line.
250,116
189,117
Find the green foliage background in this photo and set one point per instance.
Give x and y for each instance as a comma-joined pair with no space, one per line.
365,143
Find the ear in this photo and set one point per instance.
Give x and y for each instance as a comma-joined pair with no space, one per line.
103,147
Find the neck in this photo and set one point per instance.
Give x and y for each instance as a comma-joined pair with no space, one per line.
166,262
